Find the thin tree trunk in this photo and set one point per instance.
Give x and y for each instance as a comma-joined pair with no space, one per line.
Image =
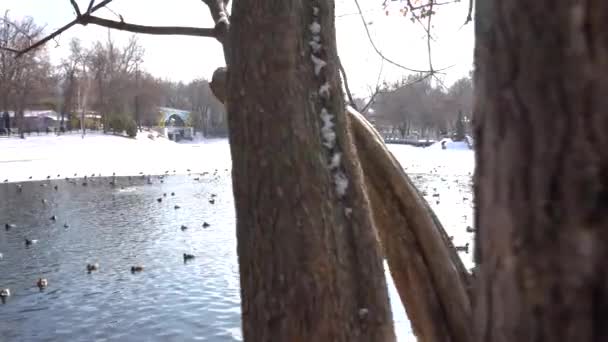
309,261
542,170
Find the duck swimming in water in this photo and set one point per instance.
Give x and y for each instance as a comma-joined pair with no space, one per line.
42,283
92,267
464,248
137,268
188,257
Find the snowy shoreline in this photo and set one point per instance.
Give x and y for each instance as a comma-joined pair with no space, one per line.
38,157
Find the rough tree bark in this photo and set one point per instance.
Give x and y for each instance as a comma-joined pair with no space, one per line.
309,262
541,187
429,275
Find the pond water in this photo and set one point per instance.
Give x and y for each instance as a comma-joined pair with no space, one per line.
123,225
118,227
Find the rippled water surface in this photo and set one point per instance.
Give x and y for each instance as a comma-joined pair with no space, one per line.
122,225
118,227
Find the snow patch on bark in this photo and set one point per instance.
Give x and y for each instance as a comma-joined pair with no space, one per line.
348,212
341,183
324,91
335,161
223,18
328,132
315,28
319,64
316,47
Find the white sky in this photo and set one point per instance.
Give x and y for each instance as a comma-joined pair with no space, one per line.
186,58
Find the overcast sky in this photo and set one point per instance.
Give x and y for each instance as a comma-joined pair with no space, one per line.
186,58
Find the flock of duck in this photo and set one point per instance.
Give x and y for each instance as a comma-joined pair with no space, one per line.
43,283
436,198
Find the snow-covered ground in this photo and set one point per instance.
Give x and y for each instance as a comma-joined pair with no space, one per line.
442,175
49,155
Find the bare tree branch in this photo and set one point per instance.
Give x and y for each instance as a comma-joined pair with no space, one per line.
430,4
159,30
222,24
75,5
371,101
469,13
412,10
91,3
9,49
348,93
119,25
60,30
376,90
369,36
428,36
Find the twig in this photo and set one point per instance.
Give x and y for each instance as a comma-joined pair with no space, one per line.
441,84
376,91
9,49
112,11
91,3
349,14
415,16
469,13
428,37
417,80
431,4
75,5
348,93
369,36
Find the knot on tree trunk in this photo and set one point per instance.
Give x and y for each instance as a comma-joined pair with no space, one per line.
218,83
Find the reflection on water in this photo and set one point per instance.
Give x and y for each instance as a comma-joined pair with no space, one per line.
118,227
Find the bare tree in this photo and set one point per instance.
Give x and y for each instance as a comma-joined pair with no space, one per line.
114,71
19,77
70,70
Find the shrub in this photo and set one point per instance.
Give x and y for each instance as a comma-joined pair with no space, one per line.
117,124
131,128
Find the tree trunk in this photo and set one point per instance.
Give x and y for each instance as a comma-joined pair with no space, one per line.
310,265
430,277
205,121
542,170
